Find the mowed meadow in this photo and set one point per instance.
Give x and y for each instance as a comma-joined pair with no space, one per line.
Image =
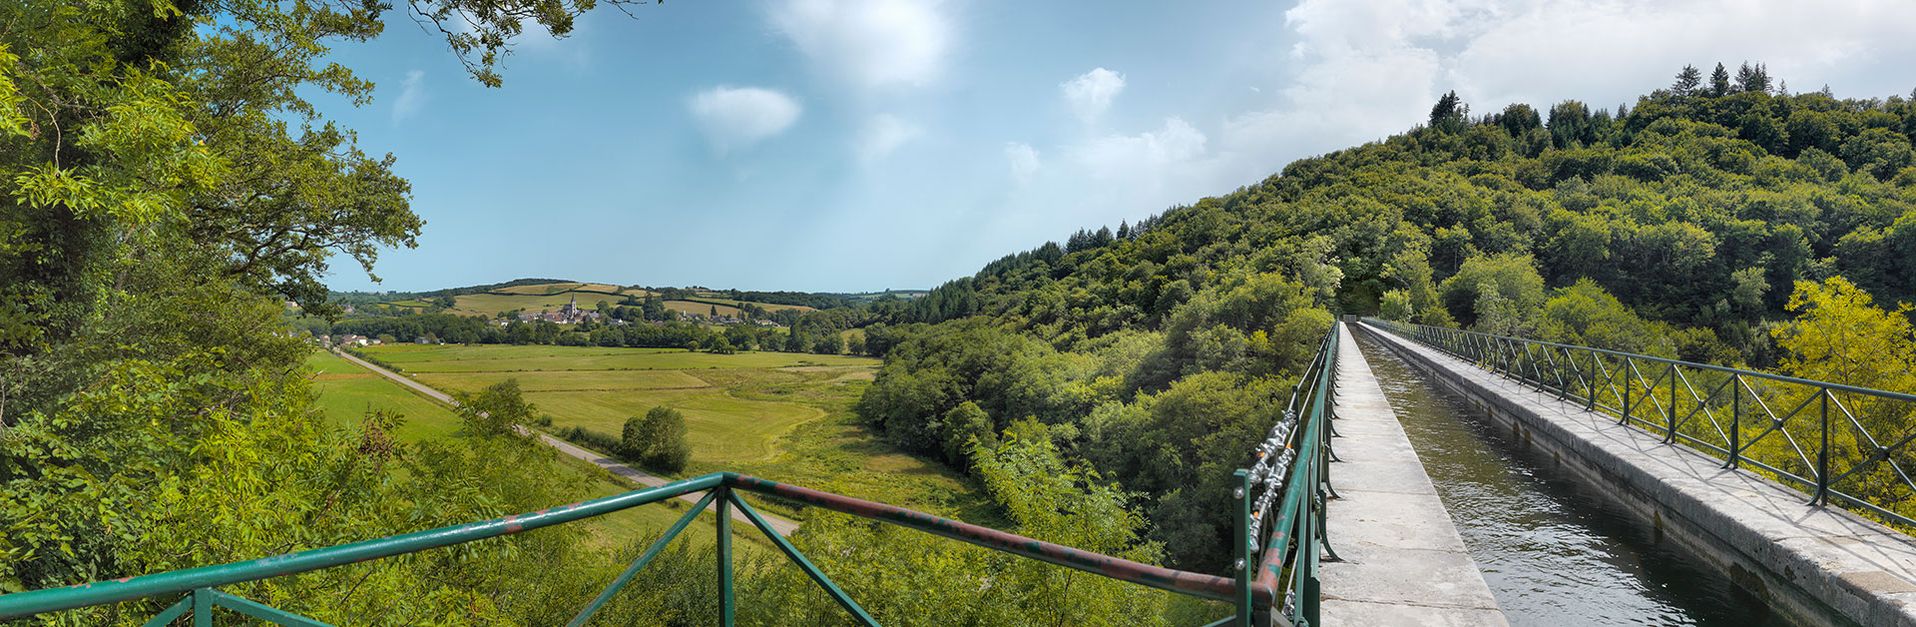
782,416
347,392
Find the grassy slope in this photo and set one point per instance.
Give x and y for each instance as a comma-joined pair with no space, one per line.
693,307
782,416
720,300
347,390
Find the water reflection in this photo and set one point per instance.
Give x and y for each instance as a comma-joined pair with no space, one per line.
1554,552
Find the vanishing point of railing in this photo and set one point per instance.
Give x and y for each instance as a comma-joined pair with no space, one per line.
1834,442
1288,547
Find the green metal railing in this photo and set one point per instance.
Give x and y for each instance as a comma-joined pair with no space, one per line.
1290,468
199,594
1289,478
1835,442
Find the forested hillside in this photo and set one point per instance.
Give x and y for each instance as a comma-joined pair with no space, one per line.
1681,225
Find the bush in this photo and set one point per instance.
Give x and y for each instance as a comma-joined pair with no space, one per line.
656,440
592,439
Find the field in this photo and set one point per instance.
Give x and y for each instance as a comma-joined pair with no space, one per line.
727,302
491,304
783,416
552,296
703,309
346,391
547,289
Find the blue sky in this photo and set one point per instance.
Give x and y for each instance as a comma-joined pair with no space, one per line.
833,145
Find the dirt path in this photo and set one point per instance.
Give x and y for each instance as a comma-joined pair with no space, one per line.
784,526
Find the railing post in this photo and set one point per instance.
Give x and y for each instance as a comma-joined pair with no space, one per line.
202,607
1823,453
1669,430
1629,381
1590,383
1736,417
726,609
1244,566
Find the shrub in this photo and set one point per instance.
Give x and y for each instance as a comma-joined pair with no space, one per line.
656,440
591,439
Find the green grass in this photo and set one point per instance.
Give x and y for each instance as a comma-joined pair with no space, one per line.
417,359
782,416
703,309
491,304
346,390
720,300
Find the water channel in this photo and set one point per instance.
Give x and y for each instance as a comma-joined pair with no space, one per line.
1553,551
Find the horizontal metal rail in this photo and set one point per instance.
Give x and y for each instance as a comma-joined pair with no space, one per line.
199,586
1275,563
1834,442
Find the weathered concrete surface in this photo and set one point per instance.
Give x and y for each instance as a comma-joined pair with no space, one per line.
1820,566
1404,563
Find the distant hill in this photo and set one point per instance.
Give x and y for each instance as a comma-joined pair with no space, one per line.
540,294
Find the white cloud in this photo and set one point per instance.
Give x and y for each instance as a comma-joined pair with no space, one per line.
1024,161
412,96
1142,157
1643,41
869,43
1364,70
883,134
1090,94
737,117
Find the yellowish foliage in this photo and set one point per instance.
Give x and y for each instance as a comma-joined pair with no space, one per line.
1841,336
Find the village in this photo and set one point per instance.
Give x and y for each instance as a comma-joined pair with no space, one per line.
571,313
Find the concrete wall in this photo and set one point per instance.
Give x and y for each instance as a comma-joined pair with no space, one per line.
1818,566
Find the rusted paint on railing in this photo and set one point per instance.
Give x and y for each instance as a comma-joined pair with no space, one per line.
1196,584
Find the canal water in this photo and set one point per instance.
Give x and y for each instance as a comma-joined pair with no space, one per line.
1554,551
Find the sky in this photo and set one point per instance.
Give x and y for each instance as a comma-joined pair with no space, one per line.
839,145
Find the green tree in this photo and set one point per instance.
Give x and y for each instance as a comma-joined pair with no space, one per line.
1057,501
1753,79
1396,306
499,409
965,428
1719,82
1687,82
1839,335
1450,114
1519,119
1570,125
1496,293
1586,315
656,440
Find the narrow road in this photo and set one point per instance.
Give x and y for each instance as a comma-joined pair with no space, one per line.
784,526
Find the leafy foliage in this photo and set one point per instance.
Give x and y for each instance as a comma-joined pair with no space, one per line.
656,440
